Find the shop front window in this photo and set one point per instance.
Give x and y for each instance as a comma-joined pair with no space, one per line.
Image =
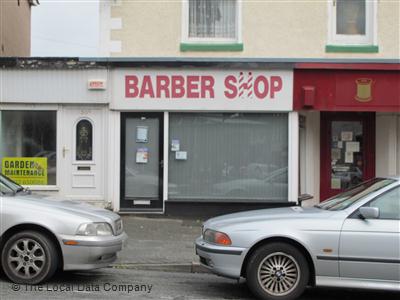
28,146
228,157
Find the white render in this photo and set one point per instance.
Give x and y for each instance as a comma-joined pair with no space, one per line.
387,144
299,29
51,86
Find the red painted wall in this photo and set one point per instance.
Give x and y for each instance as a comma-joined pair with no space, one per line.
347,89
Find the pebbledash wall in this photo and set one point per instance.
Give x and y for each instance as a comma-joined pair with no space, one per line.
134,135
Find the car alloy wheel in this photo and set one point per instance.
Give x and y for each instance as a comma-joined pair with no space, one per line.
29,257
277,270
278,274
26,258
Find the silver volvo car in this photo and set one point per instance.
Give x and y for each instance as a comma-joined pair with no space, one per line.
351,240
39,235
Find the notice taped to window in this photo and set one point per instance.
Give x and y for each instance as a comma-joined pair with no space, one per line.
26,170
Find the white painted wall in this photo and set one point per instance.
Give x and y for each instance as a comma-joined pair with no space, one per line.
51,86
387,144
113,159
398,144
310,160
293,163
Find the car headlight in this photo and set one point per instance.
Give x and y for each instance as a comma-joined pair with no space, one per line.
91,229
216,237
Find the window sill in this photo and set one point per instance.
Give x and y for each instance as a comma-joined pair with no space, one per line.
211,47
38,188
351,49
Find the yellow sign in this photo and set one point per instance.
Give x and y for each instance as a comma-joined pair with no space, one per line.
26,170
364,89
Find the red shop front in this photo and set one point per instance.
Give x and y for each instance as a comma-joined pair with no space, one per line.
356,106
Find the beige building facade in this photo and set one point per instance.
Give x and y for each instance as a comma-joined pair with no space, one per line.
291,29
328,31
15,27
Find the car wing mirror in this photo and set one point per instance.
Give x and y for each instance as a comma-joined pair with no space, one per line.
304,197
369,213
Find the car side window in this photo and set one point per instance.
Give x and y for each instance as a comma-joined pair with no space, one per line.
388,204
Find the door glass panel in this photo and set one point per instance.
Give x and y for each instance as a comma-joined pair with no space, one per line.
142,158
84,140
346,154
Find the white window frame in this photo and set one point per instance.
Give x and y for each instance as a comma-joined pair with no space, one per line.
208,40
370,37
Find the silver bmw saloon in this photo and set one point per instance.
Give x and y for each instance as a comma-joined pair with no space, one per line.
40,235
351,240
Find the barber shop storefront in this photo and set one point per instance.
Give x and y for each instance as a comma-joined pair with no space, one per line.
149,136
349,121
142,136
203,136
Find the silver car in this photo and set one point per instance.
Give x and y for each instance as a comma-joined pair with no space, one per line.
39,235
351,240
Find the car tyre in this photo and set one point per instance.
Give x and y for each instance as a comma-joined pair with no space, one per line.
277,271
29,257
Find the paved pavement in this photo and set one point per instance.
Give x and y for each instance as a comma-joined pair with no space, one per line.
157,264
159,241
148,285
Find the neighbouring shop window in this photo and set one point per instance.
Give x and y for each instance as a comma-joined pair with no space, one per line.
84,141
352,22
212,19
347,155
228,157
28,146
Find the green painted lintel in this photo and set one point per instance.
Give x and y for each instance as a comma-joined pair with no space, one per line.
352,48
211,47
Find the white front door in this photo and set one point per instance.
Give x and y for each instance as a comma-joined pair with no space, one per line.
82,145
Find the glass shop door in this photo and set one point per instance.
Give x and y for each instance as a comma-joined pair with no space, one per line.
347,151
141,161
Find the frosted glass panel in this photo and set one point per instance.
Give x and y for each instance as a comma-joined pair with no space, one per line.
142,158
228,157
350,17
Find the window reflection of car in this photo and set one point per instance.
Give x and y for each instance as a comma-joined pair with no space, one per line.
260,171
273,187
349,175
139,184
51,160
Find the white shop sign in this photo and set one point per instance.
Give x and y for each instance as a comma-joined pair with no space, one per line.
202,90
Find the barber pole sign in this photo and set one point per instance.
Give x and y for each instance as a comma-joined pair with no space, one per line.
244,90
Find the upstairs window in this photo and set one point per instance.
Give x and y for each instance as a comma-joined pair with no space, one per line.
212,20
352,22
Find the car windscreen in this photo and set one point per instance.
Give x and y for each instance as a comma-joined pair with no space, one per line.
7,186
351,196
